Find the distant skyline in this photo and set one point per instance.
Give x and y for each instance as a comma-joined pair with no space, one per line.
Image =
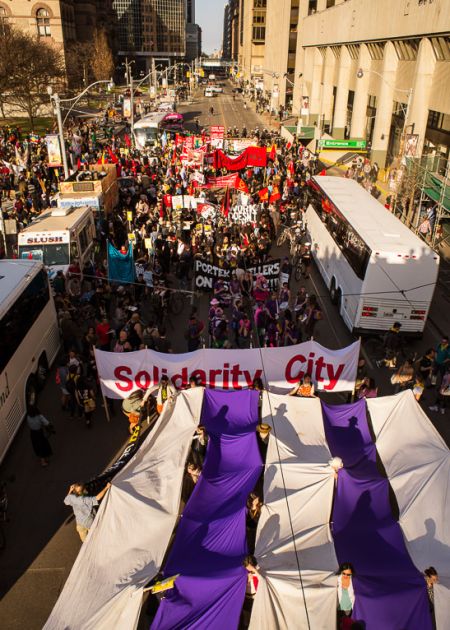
209,15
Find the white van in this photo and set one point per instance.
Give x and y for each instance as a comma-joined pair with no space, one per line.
58,237
209,91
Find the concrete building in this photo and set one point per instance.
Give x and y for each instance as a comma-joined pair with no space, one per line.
151,28
252,35
377,70
59,22
234,26
193,41
280,50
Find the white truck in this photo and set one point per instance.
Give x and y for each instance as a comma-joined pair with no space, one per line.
58,237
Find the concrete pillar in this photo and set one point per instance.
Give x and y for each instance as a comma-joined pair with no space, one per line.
420,98
385,104
328,78
340,110
359,116
312,82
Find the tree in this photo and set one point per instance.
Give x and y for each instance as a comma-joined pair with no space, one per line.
31,65
102,63
78,64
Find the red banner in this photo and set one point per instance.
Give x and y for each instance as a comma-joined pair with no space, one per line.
252,156
228,181
217,132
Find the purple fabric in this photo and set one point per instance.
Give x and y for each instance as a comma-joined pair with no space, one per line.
390,592
210,543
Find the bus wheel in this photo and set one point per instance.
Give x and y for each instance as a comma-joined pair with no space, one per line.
42,372
31,391
333,292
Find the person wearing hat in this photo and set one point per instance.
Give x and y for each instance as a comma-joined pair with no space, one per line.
392,344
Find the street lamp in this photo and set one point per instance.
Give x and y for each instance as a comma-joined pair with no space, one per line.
54,97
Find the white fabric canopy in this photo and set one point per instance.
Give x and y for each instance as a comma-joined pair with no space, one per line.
417,463
298,441
129,538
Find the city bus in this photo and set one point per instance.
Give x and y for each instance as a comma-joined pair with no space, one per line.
29,340
377,270
148,129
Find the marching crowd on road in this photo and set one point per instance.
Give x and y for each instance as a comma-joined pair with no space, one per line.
187,217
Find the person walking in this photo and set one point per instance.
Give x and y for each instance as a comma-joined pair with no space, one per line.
83,506
38,424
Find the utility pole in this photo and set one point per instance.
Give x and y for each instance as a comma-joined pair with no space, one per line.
57,103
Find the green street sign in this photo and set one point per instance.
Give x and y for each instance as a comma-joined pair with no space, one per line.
343,144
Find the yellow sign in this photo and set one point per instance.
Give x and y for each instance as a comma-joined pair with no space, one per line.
129,215
202,72
131,236
148,243
188,75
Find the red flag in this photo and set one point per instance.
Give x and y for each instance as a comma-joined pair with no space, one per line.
275,194
264,194
127,140
273,153
225,207
174,156
241,185
112,157
323,172
288,146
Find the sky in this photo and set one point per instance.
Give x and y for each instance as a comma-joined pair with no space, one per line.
209,15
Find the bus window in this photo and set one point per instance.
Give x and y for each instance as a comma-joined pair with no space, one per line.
21,316
351,245
74,254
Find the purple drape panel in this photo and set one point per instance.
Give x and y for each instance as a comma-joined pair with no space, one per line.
210,543
390,592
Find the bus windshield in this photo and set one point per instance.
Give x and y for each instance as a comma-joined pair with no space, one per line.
146,135
50,255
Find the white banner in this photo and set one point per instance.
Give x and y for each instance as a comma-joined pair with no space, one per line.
243,214
331,370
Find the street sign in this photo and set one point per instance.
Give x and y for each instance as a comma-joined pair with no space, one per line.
343,144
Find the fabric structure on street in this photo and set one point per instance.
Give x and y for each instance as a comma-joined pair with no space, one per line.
417,464
210,543
129,538
297,550
297,452
390,591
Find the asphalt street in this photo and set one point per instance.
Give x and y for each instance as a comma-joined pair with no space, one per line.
42,543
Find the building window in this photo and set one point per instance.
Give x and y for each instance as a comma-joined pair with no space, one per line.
330,3
441,47
439,121
259,4
312,7
43,23
259,33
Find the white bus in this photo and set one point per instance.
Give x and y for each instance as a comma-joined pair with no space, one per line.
148,129
378,272
29,340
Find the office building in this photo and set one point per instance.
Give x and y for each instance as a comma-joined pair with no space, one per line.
227,34
193,42
376,71
252,35
60,22
151,28
280,50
